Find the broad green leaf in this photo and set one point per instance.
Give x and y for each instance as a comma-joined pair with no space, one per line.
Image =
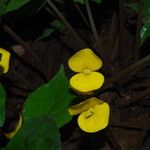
52,99
2,105
39,133
15,4
145,31
55,25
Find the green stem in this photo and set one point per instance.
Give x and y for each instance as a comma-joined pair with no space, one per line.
66,23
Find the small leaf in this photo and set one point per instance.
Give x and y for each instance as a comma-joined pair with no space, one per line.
2,7
39,133
145,31
15,4
133,6
52,99
146,10
55,25
2,105
46,33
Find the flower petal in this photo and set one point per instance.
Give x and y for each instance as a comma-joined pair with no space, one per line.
13,133
83,59
84,106
96,121
4,59
85,83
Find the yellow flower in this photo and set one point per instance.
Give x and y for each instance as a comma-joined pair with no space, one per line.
94,114
18,126
85,63
4,60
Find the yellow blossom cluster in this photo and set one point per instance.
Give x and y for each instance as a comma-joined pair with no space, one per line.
4,60
4,64
93,113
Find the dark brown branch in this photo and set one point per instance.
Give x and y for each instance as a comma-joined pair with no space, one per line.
129,68
30,58
81,14
112,139
132,99
96,36
93,27
112,41
66,23
122,32
108,83
14,35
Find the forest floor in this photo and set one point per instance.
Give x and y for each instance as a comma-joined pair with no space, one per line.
126,90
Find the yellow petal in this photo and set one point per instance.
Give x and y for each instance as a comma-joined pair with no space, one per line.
95,118
84,59
4,59
87,82
84,106
13,133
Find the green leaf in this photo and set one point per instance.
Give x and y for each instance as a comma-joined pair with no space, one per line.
2,7
146,10
133,6
39,133
55,25
15,4
52,99
145,31
46,33
2,105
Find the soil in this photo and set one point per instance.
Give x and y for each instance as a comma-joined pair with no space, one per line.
35,62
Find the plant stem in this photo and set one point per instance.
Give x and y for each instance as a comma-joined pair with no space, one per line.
132,99
93,27
81,14
31,58
66,23
129,68
112,39
14,35
112,139
50,11
122,32
95,33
